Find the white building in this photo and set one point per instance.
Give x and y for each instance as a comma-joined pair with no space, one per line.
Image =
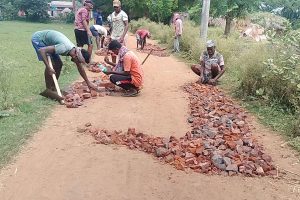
59,7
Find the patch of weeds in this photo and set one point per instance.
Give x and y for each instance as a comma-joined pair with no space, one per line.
5,85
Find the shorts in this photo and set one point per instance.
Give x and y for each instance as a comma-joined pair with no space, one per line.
82,38
94,31
38,44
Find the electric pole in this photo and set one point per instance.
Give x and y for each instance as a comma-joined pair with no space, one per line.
204,19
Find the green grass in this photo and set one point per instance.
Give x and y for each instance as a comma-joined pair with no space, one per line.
24,80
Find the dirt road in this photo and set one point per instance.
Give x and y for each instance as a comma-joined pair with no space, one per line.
61,164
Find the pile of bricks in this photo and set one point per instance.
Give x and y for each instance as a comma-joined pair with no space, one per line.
79,91
220,141
93,67
101,52
157,51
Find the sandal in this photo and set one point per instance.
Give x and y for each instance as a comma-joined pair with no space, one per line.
131,93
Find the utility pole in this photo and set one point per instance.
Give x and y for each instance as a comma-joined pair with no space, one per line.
204,19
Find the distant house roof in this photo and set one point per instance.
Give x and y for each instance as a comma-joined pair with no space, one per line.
64,4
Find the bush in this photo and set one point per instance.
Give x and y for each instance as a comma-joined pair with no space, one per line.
7,11
70,18
270,21
296,129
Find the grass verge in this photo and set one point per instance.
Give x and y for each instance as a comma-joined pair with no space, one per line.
22,82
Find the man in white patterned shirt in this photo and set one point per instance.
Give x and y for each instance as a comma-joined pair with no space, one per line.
211,66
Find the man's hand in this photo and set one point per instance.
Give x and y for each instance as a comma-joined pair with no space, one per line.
108,71
106,59
89,34
92,86
212,81
50,71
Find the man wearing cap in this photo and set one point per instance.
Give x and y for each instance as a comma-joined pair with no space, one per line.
141,36
119,25
54,43
82,31
211,66
178,32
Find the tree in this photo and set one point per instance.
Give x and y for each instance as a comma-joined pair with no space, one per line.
36,11
231,9
161,10
289,9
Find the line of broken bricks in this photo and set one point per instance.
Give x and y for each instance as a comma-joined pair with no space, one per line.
220,141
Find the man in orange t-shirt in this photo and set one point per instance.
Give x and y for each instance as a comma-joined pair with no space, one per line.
131,78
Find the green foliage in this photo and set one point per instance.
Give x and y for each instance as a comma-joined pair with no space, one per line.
232,8
290,9
194,13
70,18
296,129
8,11
161,10
278,79
36,11
270,21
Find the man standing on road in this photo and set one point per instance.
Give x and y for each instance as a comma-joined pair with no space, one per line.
82,30
141,36
98,17
119,25
211,66
131,78
99,32
178,32
54,43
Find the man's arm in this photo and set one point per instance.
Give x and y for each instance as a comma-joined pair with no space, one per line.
86,27
84,76
106,59
221,64
221,73
125,31
44,51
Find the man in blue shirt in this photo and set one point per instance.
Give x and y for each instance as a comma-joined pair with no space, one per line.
54,44
98,17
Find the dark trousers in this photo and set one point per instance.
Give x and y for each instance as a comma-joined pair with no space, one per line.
122,81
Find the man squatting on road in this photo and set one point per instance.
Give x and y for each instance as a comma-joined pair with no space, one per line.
127,73
54,43
211,66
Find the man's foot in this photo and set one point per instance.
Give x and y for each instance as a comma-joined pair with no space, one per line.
131,93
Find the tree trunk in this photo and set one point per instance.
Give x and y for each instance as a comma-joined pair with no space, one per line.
228,25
